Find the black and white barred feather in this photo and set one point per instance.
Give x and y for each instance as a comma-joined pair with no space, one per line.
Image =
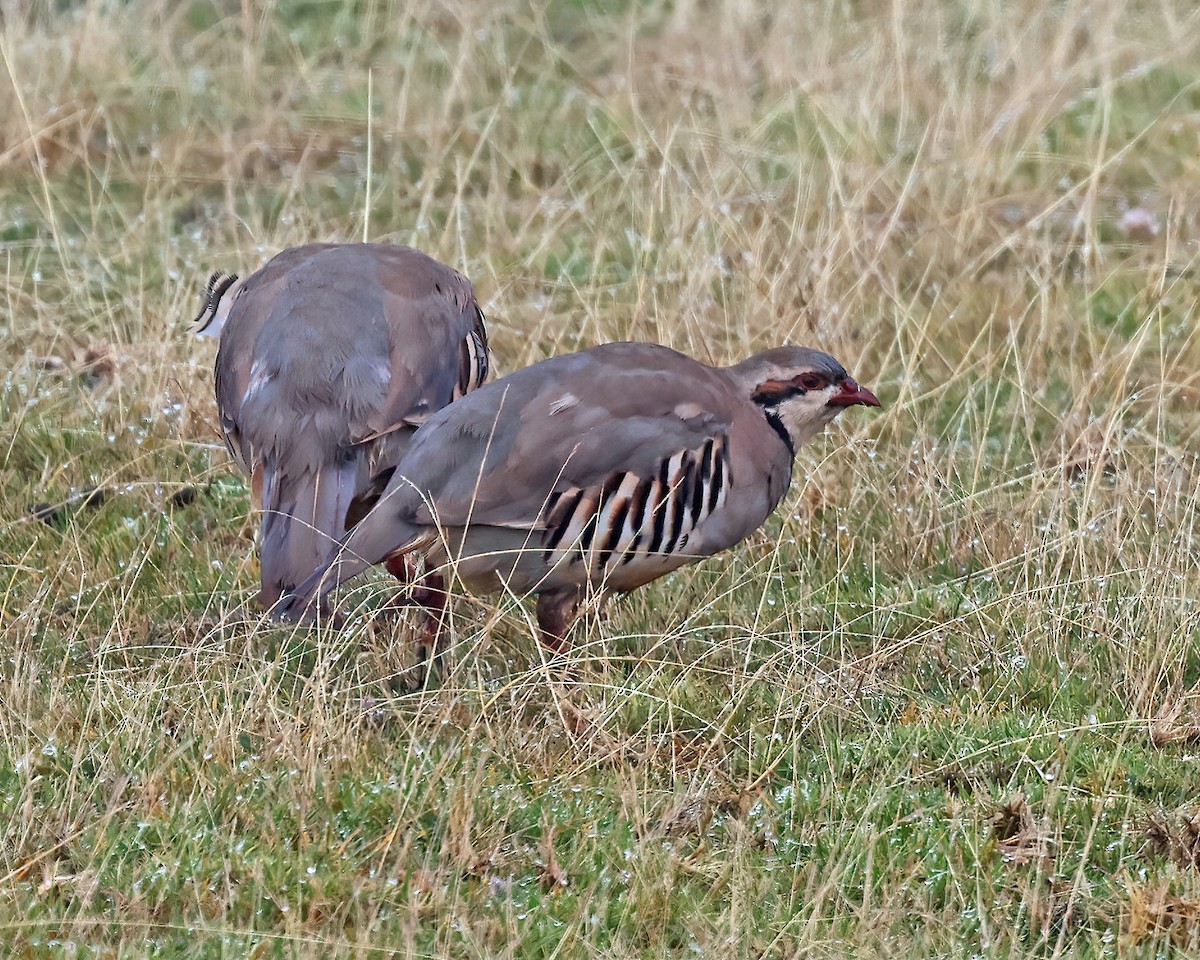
216,288
632,519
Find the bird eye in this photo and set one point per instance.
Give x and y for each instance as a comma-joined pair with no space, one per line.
812,381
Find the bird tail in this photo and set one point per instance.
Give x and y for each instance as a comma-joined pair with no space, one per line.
303,517
381,534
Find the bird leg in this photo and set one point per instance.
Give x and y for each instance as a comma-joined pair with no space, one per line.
399,567
556,611
429,593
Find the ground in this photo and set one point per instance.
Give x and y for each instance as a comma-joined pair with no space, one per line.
946,704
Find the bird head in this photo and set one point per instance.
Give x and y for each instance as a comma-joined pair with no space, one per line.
800,390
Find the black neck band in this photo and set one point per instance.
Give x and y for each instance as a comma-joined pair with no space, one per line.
776,424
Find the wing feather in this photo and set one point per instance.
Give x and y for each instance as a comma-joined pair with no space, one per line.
497,456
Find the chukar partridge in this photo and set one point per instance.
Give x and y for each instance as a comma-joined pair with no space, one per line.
600,470
330,356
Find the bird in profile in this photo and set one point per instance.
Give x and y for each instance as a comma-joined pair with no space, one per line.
595,471
330,357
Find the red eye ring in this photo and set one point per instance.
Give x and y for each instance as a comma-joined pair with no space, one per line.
812,381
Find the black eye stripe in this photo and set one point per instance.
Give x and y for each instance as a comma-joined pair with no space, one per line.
775,396
771,393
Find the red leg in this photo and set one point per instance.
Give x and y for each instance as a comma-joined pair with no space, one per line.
398,567
556,611
429,593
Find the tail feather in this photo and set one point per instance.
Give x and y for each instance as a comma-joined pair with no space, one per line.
382,533
303,517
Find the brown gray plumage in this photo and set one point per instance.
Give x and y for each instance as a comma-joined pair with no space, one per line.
330,356
598,470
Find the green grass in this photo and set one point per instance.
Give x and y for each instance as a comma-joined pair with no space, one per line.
946,703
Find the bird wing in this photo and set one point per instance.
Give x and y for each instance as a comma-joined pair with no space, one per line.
508,454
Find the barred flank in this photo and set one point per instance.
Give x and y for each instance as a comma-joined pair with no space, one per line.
630,519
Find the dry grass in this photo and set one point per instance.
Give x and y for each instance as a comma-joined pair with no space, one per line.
935,709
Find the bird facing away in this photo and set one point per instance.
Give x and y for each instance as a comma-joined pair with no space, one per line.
600,470
330,356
